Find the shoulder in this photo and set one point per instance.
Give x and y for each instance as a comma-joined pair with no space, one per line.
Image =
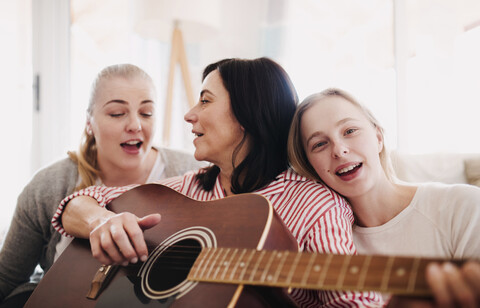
458,200
449,192
311,194
306,186
63,169
58,178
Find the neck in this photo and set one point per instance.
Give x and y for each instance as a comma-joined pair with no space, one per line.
226,181
114,176
381,204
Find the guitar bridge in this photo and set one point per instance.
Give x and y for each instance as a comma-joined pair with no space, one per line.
101,279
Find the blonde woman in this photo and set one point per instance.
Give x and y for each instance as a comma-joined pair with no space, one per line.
116,150
336,140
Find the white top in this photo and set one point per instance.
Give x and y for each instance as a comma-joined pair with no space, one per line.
441,221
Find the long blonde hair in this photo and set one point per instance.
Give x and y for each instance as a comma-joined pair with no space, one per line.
86,157
296,152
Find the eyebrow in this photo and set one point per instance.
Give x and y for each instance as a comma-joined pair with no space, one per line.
121,101
319,133
206,91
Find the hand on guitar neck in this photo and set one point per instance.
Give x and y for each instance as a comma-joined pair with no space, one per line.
451,286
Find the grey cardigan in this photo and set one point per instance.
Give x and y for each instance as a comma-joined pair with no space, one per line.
31,239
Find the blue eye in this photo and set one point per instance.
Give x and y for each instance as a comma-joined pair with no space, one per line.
319,144
350,131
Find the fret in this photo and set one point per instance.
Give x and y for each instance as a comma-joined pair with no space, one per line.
222,263
237,264
306,275
386,274
352,274
324,269
265,274
343,271
363,272
413,275
421,285
257,263
400,274
373,279
283,256
228,263
213,263
293,268
333,271
245,265
202,257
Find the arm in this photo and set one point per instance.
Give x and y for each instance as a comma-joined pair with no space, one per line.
31,239
114,238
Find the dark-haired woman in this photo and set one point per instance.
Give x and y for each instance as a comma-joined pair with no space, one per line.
241,124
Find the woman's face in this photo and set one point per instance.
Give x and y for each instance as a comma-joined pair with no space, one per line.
217,130
342,145
123,122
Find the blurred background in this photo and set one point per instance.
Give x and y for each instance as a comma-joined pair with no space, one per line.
414,63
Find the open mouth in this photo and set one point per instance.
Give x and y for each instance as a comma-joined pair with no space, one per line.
348,170
131,144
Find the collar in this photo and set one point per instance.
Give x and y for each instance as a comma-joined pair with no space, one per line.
277,186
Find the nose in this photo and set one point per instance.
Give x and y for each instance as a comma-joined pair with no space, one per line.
191,115
134,124
339,149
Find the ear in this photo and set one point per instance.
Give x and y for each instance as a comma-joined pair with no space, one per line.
88,126
380,140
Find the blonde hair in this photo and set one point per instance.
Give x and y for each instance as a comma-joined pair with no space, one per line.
86,157
296,152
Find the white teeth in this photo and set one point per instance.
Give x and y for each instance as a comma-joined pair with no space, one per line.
132,142
346,169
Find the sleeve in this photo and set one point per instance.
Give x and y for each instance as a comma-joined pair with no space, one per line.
464,222
332,233
23,236
102,194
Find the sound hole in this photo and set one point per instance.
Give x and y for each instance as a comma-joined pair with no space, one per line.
173,265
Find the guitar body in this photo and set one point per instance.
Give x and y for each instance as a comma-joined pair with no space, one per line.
244,221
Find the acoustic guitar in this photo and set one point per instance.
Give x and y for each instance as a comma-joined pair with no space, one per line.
232,252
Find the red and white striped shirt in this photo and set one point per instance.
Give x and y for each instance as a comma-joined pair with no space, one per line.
319,219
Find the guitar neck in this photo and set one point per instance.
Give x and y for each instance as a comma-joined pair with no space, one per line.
396,275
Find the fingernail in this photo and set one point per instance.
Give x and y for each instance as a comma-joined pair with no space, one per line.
449,267
134,260
143,258
125,263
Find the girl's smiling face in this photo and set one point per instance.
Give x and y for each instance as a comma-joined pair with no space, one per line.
342,145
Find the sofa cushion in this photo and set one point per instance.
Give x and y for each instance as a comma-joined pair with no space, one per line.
436,167
472,171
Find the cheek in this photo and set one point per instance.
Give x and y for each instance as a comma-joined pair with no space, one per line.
318,163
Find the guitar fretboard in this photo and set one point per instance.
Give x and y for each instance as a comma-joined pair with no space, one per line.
397,275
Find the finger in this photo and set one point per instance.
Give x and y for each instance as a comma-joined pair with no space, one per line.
438,284
149,221
471,272
119,248
461,291
97,251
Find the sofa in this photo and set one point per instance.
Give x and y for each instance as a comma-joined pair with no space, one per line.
447,168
